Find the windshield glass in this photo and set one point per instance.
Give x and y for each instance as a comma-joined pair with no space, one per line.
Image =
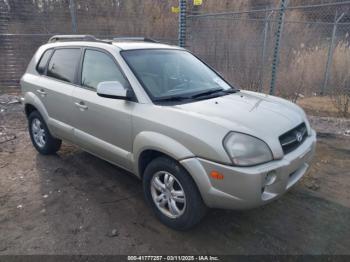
173,74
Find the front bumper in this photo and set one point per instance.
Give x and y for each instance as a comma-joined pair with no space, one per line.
244,187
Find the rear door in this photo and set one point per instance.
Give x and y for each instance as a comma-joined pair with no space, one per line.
102,125
56,88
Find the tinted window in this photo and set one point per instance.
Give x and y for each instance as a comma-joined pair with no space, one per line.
99,67
43,61
63,64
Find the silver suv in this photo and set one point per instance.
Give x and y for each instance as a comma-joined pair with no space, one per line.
161,113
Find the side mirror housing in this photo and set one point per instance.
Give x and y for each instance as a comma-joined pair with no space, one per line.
113,89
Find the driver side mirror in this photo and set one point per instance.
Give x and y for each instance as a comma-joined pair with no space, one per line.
113,89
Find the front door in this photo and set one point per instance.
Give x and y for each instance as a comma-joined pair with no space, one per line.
102,126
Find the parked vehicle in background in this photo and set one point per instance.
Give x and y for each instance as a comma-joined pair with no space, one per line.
161,113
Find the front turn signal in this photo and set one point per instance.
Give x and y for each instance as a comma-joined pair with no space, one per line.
216,175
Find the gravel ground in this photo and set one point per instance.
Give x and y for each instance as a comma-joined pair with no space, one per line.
75,203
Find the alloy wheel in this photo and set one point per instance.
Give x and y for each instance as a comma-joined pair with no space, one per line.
168,194
38,132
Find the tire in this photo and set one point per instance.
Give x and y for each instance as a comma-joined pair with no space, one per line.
191,211
40,135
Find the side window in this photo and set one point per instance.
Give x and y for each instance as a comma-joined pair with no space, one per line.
63,64
43,61
99,67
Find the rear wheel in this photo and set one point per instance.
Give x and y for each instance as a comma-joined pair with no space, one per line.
172,194
40,135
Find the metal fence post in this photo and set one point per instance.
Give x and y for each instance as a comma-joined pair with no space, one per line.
330,53
276,52
182,23
266,28
72,9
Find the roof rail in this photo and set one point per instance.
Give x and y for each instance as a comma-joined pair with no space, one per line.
91,38
141,39
57,38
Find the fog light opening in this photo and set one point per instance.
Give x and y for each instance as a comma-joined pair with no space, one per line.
270,178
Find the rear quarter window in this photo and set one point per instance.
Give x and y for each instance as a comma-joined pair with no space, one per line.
43,61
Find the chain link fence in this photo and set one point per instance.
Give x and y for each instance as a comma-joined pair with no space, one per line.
288,48
25,25
280,48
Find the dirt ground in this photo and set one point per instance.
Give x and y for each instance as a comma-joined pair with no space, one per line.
319,106
75,203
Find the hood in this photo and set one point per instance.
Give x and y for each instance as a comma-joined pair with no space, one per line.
263,116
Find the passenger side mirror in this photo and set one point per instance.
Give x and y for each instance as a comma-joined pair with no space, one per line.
113,89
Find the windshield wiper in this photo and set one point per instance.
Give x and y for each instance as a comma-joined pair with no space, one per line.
209,92
184,98
171,98
231,91
213,91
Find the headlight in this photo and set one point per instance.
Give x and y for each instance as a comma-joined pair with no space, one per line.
246,150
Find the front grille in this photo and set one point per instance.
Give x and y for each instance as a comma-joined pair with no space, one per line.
293,138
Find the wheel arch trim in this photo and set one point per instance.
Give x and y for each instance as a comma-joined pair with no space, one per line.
31,99
154,141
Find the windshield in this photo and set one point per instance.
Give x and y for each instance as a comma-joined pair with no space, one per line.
173,74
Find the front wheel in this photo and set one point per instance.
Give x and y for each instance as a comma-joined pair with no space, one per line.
172,194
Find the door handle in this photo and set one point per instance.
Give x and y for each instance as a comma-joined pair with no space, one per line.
81,105
41,92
